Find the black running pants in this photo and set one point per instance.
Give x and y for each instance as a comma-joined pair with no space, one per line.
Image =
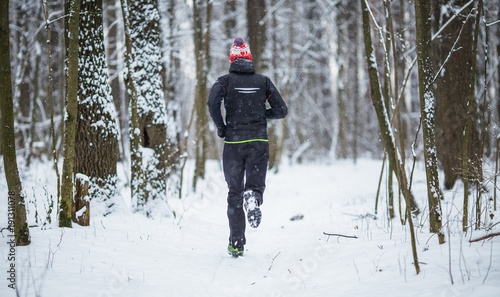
245,168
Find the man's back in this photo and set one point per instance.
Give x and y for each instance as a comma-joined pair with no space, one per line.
245,102
245,94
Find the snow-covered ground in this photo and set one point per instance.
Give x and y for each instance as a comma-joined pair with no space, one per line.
127,254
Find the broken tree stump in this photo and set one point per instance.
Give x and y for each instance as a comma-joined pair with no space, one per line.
80,210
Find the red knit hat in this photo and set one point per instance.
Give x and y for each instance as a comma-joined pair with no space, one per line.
239,50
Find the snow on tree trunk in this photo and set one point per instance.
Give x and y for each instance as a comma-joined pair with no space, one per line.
96,144
80,210
137,183
427,103
146,67
170,81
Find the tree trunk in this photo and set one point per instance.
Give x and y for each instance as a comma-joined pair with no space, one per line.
16,194
498,103
51,102
356,62
393,81
80,211
201,25
23,74
137,182
498,64
286,88
348,91
96,143
342,142
344,59
451,86
72,38
114,64
469,135
33,107
427,103
388,101
256,10
384,123
404,105
230,21
276,55
171,74
318,73
146,71
381,111
111,45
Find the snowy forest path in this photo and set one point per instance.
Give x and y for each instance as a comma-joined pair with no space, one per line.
280,253
128,254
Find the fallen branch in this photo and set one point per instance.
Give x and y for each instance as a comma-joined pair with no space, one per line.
273,260
361,216
340,235
485,237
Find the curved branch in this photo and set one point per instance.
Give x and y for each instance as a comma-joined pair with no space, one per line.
485,237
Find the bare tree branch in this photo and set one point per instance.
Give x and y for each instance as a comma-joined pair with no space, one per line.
340,235
485,237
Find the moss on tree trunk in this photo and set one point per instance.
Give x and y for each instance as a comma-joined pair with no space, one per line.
71,114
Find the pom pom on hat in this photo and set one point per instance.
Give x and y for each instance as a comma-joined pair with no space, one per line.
238,41
239,50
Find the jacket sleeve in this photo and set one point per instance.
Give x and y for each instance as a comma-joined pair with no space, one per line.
278,108
217,94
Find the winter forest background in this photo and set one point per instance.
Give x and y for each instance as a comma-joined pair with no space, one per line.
112,95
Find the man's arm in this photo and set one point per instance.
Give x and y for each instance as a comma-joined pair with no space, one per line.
278,108
217,94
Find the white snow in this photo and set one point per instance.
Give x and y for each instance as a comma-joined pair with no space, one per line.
81,212
82,177
128,254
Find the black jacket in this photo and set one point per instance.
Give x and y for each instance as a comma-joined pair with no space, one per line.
245,94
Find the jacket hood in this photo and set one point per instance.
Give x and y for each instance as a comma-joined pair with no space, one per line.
242,66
